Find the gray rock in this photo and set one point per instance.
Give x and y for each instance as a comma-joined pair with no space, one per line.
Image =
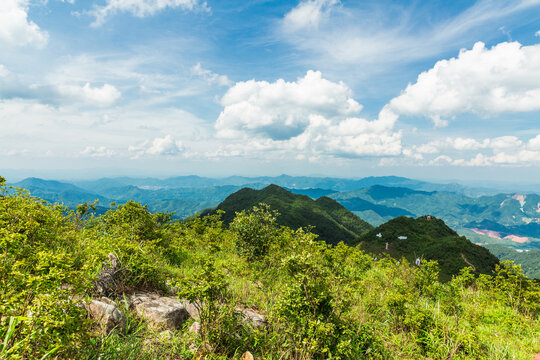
195,328
252,318
191,309
160,311
107,281
107,315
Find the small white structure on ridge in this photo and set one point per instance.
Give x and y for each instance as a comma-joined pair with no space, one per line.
379,235
402,237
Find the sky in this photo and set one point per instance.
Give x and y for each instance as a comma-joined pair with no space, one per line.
424,89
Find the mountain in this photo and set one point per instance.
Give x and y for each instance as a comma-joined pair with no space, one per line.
502,217
428,238
60,192
333,223
529,260
183,201
311,192
292,182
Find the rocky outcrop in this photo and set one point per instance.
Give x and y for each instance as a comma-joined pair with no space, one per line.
106,314
107,281
159,311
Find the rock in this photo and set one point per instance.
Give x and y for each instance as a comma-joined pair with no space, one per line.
253,319
191,309
107,280
195,328
167,334
107,315
161,311
247,356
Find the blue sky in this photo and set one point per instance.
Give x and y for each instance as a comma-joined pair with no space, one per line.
438,89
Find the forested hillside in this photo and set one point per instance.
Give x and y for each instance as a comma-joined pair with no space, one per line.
428,238
332,222
72,285
529,260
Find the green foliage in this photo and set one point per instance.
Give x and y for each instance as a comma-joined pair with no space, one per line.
331,221
320,301
39,274
208,291
529,260
430,239
255,231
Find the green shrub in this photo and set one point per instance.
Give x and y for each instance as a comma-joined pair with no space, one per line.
255,231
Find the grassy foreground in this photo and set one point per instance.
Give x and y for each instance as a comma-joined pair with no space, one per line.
321,302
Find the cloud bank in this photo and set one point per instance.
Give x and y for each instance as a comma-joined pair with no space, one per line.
482,81
311,115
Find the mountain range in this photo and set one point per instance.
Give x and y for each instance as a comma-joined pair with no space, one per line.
482,215
426,238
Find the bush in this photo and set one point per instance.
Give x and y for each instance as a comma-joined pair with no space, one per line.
255,231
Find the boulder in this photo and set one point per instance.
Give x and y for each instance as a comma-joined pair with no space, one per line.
195,328
191,309
159,311
252,318
107,315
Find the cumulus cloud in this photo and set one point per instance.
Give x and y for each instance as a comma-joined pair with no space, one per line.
105,95
498,151
211,77
308,14
100,151
165,146
311,115
143,8
504,78
537,33
15,27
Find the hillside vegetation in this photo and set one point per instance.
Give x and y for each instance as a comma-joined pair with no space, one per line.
529,260
318,301
428,238
333,223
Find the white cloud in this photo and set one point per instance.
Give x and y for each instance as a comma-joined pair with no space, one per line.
143,8
383,38
537,33
311,115
100,151
4,72
105,95
66,130
16,29
165,146
534,143
505,78
308,14
505,142
211,77
499,151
